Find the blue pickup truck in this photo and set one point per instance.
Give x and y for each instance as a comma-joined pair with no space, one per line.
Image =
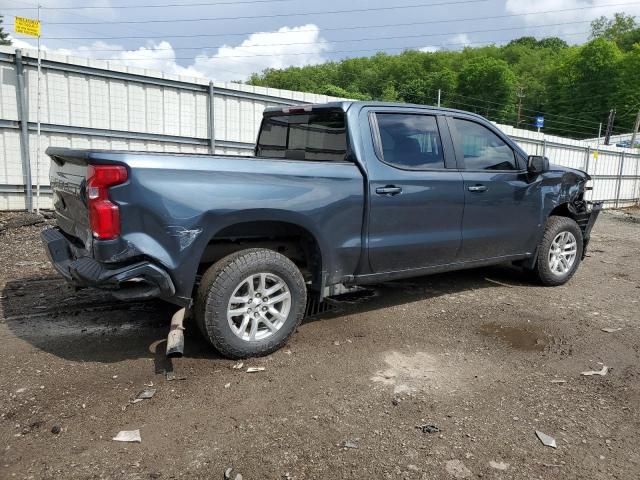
337,195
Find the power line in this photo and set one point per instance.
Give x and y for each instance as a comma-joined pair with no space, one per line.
315,52
574,99
527,109
499,108
275,15
352,27
155,5
366,39
579,123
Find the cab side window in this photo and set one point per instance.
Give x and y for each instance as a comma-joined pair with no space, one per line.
483,149
410,141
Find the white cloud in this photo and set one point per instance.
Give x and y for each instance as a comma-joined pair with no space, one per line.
460,40
288,46
457,42
580,10
295,46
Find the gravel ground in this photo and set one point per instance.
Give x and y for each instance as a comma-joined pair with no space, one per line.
485,356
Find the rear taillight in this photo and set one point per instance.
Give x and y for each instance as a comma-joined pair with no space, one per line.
104,216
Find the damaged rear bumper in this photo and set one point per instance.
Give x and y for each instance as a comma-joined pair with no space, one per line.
586,221
138,280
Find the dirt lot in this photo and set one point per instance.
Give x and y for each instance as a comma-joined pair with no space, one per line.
485,356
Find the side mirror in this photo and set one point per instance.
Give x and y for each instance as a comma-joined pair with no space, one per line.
537,164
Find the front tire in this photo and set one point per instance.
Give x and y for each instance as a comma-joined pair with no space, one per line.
559,252
249,303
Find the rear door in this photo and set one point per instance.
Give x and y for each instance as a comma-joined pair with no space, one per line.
502,204
416,197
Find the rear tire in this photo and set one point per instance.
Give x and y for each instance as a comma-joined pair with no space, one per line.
559,252
249,303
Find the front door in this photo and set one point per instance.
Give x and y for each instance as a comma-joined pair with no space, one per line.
416,196
502,204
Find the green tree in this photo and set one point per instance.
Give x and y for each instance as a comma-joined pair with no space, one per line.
627,40
389,93
528,42
336,91
415,90
573,86
628,88
4,36
487,86
553,43
613,28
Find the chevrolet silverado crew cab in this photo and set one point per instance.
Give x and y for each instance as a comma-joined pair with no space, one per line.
337,195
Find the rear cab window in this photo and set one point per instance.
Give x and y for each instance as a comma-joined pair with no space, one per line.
313,136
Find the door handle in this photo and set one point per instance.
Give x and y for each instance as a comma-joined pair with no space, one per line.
389,190
477,188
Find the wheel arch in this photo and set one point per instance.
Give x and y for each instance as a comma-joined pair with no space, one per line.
293,238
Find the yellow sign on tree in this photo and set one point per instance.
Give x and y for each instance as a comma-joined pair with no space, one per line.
27,26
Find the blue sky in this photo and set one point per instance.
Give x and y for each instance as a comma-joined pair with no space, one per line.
230,39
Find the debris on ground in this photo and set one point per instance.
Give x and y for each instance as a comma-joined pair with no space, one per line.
558,380
227,385
498,283
255,369
24,220
170,375
428,428
228,472
238,366
457,469
498,465
611,329
348,444
602,372
146,394
546,440
128,436
56,429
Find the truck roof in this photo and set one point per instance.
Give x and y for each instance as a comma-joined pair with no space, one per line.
347,104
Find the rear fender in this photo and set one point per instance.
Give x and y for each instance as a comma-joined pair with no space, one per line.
190,256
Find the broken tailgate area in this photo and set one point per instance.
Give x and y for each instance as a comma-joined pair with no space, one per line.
139,280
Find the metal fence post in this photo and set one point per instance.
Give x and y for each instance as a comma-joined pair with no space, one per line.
636,190
23,118
586,160
619,179
212,130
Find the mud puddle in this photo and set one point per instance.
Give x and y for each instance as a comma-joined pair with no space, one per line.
520,338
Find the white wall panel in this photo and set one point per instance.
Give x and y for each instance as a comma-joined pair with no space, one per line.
136,105
8,88
11,164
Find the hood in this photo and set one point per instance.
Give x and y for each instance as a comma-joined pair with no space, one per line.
578,173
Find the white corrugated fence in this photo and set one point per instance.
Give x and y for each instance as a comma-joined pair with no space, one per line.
97,104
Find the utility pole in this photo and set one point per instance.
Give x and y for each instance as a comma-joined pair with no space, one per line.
635,130
38,115
520,94
439,92
612,117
